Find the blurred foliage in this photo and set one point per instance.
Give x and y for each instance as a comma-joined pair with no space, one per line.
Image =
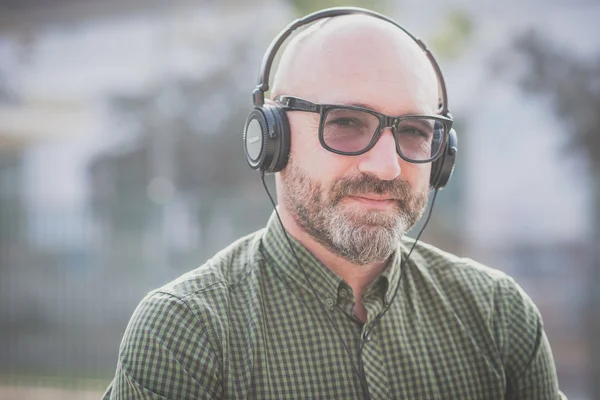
304,7
11,206
448,41
573,86
191,152
7,92
452,35
185,132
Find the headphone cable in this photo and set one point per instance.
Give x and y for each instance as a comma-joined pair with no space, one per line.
402,264
360,372
314,292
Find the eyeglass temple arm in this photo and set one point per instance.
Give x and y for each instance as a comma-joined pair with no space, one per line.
296,103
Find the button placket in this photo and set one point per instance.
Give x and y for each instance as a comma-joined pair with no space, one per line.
367,335
373,361
329,302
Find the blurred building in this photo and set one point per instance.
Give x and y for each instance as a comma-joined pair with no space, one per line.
70,280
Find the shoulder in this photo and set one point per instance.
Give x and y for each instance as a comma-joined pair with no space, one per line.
225,269
198,298
171,345
489,304
463,281
447,268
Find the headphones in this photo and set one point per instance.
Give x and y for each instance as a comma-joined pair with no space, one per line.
267,131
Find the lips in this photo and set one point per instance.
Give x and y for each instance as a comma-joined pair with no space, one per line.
376,198
374,201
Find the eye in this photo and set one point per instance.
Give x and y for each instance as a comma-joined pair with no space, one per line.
347,122
418,128
410,131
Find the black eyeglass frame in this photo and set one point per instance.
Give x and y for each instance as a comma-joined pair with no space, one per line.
292,103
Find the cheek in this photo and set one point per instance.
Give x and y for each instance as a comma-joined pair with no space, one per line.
417,175
304,130
308,153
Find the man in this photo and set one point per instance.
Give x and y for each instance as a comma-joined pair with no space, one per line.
326,301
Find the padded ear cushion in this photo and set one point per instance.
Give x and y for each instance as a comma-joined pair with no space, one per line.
267,138
436,167
280,135
443,167
255,139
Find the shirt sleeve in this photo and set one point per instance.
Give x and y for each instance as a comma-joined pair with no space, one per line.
166,353
528,362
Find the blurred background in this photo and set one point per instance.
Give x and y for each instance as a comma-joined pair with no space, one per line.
121,163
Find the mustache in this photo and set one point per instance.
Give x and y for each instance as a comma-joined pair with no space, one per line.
397,189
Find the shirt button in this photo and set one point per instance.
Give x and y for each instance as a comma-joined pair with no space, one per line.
343,293
329,301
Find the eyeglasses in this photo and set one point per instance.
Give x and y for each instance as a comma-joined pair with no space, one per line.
353,130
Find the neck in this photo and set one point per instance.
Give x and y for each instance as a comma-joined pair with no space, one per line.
358,277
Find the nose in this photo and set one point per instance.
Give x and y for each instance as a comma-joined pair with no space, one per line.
382,160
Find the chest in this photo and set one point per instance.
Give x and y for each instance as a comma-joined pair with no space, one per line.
294,351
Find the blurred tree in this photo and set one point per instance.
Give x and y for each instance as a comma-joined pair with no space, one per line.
207,150
449,39
7,92
573,86
184,147
304,7
452,35
187,136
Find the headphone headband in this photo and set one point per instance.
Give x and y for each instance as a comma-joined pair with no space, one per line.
258,95
267,135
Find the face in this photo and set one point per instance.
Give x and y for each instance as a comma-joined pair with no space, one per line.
339,214
358,207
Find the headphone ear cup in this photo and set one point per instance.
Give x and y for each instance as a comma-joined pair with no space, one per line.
267,138
255,143
443,167
281,137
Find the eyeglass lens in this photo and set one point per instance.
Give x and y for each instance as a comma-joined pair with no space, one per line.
351,131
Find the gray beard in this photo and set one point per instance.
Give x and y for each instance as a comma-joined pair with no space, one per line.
357,236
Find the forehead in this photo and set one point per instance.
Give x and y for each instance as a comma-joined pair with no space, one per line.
359,59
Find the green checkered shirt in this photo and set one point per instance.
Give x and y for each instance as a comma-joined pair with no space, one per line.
251,324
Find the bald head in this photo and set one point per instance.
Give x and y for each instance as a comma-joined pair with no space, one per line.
357,58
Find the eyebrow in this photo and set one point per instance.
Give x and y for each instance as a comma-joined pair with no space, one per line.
369,107
425,124
355,104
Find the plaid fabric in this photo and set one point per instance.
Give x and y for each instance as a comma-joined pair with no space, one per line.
251,324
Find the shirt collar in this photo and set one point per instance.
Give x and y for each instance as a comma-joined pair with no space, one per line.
310,274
